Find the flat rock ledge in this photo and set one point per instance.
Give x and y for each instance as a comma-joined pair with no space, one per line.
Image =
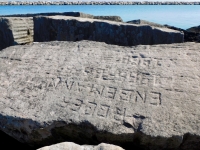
73,146
91,92
66,28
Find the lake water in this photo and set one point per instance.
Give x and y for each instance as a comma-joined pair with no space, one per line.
182,16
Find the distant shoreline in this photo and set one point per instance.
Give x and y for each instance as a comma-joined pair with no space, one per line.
96,3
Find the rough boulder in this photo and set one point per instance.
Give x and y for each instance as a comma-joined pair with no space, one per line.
189,35
65,28
90,92
111,18
139,21
15,30
73,146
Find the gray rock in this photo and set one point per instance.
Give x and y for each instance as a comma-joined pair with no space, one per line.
195,29
73,14
73,146
190,35
63,28
111,18
198,38
142,22
14,30
91,92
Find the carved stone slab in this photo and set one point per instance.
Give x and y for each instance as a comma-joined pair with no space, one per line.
93,92
15,30
66,28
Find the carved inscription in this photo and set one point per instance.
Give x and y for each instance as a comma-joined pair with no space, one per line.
119,113
163,81
122,75
83,87
90,108
76,104
143,79
119,94
109,92
155,98
132,77
102,92
94,72
103,110
126,95
69,84
97,89
139,61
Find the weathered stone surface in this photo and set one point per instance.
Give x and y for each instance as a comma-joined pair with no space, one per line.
111,18
14,30
195,29
74,14
189,35
73,146
63,28
90,92
139,21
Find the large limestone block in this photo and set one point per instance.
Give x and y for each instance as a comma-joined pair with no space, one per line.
73,146
189,36
90,92
139,21
64,28
15,30
73,14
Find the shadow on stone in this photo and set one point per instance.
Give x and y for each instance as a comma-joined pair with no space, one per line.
5,139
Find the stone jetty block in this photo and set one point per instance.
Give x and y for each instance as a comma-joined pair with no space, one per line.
15,30
91,92
139,21
111,18
73,14
189,36
195,29
73,146
65,28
